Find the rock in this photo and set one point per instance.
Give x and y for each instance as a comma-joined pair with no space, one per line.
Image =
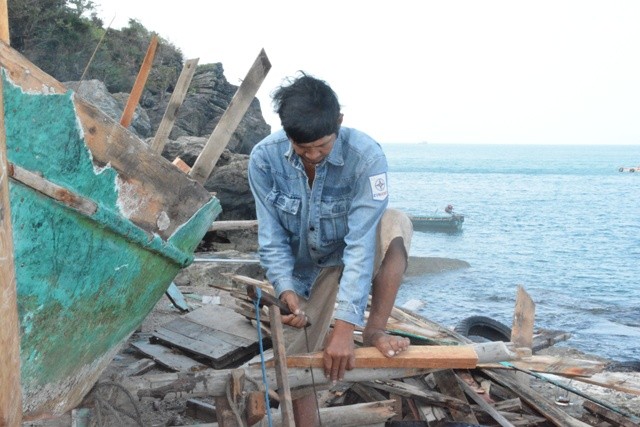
95,92
208,97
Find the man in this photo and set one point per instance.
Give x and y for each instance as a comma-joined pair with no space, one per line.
325,232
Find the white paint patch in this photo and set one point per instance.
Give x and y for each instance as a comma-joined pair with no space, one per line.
128,200
379,186
163,221
122,266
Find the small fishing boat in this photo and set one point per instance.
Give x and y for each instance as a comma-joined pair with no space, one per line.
631,169
101,226
447,222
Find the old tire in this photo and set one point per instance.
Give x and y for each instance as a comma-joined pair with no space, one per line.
482,328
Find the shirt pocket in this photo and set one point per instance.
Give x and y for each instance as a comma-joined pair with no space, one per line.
333,220
287,209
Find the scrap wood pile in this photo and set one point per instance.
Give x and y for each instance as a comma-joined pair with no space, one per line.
442,379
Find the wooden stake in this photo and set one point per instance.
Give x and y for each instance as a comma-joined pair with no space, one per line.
177,98
4,23
229,121
10,389
286,406
138,86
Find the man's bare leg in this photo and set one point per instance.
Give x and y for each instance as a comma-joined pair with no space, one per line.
383,297
305,411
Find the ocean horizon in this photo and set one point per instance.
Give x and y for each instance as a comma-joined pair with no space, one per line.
559,220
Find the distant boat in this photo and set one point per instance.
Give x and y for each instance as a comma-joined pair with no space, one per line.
631,169
448,222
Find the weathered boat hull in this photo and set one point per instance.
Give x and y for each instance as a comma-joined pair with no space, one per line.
452,223
101,225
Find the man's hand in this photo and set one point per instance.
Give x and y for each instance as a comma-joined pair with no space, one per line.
338,354
298,319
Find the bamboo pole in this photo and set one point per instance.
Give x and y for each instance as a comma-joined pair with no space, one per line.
138,86
238,106
10,389
177,98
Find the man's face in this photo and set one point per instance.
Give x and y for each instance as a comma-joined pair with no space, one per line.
313,153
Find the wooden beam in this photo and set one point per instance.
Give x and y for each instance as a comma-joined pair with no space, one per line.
500,419
250,224
448,384
48,188
609,415
540,403
138,86
177,98
427,357
523,318
212,382
229,121
284,392
4,23
10,391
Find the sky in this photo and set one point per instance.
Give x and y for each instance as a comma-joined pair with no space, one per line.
492,72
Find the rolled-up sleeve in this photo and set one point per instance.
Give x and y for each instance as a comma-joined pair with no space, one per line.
369,203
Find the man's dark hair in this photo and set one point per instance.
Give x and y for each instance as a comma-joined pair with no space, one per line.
308,108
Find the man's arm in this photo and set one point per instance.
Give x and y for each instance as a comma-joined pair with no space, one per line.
275,252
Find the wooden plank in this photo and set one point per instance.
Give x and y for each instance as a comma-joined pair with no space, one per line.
284,391
500,419
361,414
614,380
213,382
10,391
229,121
177,98
428,396
215,352
553,365
431,357
448,384
201,411
168,358
523,318
539,402
250,224
4,23
609,415
49,189
224,319
427,412
205,334
138,86
138,367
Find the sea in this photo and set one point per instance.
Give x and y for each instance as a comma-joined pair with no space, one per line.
561,221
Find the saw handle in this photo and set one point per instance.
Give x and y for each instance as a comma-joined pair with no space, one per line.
268,299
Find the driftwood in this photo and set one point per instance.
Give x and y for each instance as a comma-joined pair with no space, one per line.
250,224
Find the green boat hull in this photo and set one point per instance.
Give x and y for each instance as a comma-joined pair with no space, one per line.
87,277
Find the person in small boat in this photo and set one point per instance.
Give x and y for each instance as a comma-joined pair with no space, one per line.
326,235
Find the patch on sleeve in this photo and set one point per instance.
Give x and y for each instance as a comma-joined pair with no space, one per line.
379,186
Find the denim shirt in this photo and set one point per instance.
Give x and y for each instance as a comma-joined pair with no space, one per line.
303,229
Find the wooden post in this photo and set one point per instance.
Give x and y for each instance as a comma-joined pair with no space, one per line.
138,86
177,97
238,106
10,389
286,406
4,23
523,318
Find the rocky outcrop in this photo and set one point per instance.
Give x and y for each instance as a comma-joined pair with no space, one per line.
208,98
